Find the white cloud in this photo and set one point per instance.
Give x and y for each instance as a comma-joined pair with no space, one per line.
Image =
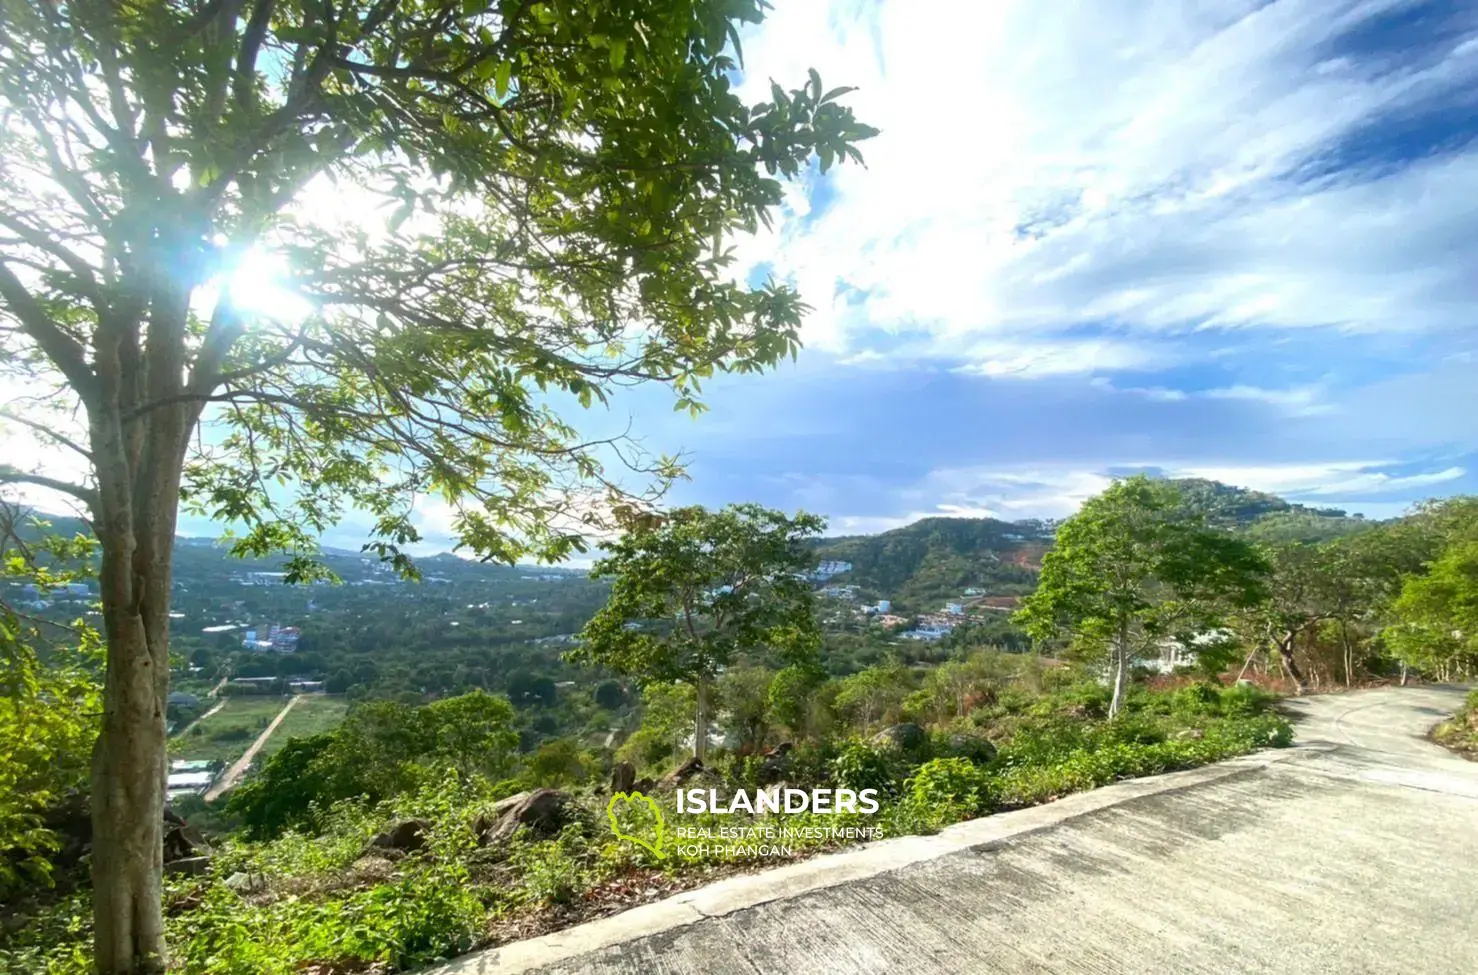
1045,164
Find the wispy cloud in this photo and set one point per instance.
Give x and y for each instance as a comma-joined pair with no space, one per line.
1157,166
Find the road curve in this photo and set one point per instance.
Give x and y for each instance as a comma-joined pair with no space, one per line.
1354,851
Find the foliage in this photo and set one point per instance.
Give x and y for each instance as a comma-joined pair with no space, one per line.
50,699
860,765
1435,627
692,589
1131,570
381,750
946,790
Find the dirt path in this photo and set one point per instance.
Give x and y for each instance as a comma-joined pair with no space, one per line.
236,771
186,729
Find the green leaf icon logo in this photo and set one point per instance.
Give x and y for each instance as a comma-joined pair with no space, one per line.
637,818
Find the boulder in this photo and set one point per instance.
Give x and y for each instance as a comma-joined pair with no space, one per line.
687,770
183,842
623,777
905,737
193,866
776,763
543,812
1191,734
407,836
245,883
973,747
646,784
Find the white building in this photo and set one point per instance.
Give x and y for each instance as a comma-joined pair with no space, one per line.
828,569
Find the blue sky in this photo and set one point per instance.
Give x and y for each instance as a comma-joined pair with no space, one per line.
1230,239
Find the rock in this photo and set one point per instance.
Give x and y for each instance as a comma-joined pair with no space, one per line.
776,763
245,883
646,784
408,836
623,777
183,842
543,812
973,747
687,770
193,866
1194,734
905,737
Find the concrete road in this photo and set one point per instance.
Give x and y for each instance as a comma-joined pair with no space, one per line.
1356,851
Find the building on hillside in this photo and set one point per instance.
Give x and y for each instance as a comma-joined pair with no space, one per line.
955,609
885,606
286,639
828,569
306,687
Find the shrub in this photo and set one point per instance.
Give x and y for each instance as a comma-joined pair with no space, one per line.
947,790
552,871
1196,699
860,766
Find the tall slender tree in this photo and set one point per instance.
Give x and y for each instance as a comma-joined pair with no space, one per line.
561,184
692,590
1131,570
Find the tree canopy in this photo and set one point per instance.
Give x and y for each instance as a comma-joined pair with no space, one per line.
695,588
1133,569
484,214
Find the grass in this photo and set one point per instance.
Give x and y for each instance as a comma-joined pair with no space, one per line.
226,735
310,716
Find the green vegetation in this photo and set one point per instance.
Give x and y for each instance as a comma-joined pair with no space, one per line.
1028,735
695,588
310,716
810,694
559,189
1461,733
1131,570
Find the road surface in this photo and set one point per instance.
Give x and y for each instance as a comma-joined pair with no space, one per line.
238,769
1356,851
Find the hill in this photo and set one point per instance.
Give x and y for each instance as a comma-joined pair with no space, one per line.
921,565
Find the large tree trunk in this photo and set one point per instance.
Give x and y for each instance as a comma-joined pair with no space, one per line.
139,432
700,723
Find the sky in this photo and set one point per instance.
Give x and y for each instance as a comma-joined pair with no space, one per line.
1231,239
1222,238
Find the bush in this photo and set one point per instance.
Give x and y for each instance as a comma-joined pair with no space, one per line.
1196,699
947,790
861,766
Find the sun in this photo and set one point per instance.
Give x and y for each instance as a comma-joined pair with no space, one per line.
258,285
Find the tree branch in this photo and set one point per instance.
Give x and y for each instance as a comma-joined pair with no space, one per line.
86,495
63,350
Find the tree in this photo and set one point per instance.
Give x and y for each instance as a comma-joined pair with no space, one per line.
558,763
1435,620
693,589
874,694
1304,589
744,695
565,180
1132,570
